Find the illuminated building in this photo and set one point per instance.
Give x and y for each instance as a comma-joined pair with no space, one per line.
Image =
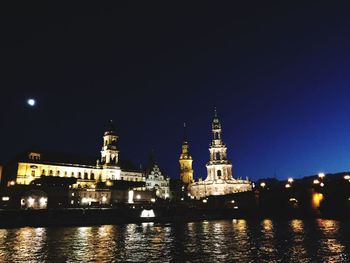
88,197
185,160
34,199
88,172
156,180
219,179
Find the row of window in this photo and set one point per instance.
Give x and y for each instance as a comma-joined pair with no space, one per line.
79,175
92,195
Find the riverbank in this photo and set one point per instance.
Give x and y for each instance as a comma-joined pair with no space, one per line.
103,216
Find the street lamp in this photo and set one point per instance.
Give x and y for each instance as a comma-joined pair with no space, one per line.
321,175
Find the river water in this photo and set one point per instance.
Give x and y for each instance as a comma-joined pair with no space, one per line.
267,240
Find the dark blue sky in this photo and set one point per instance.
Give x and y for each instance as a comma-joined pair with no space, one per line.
278,75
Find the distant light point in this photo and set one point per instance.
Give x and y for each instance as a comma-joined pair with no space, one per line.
31,102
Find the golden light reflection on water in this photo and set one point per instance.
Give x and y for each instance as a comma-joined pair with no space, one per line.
242,241
267,248
331,248
27,244
297,244
297,225
208,241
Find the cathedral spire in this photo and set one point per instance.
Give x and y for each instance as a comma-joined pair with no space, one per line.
185,160
185,133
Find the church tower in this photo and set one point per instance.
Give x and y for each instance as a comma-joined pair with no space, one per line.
218,167
109,152
185,160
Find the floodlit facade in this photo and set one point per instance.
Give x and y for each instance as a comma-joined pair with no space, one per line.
185,160
88,197
87,173
156,180
219,179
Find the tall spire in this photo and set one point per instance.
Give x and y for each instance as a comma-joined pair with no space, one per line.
216,125
185,133
185,160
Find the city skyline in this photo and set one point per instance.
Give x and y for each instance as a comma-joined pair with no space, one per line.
278,76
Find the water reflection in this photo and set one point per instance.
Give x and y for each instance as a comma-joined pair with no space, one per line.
267,248
331,249
24,244
297,248
243,249
207,241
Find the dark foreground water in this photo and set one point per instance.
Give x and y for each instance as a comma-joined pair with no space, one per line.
209,241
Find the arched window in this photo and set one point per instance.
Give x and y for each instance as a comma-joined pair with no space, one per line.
92,176
217,156
218,173
79,175
86,176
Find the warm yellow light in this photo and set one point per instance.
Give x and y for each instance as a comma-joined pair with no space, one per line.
109,183
93,186
317,199
138,197
321,175
347,177
30,201
232,201
290,180
316,181
287,186
293,200
321,184
262,184
12,183
205,200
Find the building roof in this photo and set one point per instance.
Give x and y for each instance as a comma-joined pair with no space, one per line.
59,158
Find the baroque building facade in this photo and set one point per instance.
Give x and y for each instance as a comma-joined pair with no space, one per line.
219,180
87,172
156,180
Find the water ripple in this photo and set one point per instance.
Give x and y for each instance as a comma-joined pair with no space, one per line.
208,241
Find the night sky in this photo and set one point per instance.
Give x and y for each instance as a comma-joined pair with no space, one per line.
278,74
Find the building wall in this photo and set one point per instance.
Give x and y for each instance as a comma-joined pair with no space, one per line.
132,176
86,175
158,182
88,197
202,189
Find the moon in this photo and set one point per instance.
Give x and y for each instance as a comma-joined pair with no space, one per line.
31,102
